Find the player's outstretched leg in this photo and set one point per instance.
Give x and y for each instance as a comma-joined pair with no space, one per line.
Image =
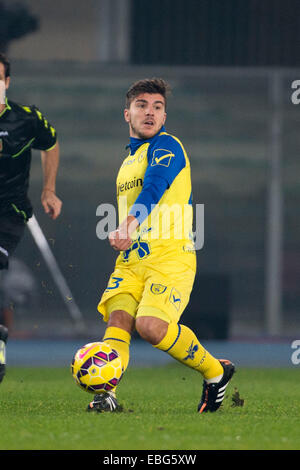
119,340
3,340
181,343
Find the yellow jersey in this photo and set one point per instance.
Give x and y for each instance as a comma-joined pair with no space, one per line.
154,184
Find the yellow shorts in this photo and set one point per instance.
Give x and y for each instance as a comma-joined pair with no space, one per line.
161,289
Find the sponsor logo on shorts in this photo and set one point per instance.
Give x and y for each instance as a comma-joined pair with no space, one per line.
175,298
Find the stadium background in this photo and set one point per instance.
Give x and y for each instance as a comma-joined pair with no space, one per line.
231,65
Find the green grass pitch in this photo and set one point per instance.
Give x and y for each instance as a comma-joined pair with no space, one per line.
43,409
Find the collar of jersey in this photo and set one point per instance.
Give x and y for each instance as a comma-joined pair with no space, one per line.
136,143
7,107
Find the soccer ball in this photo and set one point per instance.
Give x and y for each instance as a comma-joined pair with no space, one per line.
96,367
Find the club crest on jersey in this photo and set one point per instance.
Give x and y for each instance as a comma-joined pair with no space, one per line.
158,289
175,298
162,157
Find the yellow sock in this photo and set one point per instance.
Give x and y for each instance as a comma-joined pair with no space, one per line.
182,344
119,340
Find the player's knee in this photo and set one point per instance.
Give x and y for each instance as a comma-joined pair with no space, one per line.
151,329
3,260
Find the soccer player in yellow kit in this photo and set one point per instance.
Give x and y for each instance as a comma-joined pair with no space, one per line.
155,270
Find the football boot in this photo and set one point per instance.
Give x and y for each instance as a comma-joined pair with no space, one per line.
213,393
105,401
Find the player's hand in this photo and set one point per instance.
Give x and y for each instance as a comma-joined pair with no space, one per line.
120,239
51,203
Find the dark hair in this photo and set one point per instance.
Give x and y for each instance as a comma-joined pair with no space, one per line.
148,85
4,60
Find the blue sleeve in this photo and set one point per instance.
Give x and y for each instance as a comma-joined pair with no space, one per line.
152,192
165,161
165,158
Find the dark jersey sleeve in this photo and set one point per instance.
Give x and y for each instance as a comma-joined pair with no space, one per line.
45,134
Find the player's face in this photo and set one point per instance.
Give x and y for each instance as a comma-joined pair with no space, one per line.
146,115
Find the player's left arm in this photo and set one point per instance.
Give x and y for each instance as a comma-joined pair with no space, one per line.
50,163
165,161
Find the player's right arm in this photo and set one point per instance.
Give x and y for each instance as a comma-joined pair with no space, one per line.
50,162
46,141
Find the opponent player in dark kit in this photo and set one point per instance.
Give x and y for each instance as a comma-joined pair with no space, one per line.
22,128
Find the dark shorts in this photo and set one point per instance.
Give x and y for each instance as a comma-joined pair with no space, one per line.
12,227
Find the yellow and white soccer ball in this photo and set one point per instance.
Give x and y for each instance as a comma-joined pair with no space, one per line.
96,367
